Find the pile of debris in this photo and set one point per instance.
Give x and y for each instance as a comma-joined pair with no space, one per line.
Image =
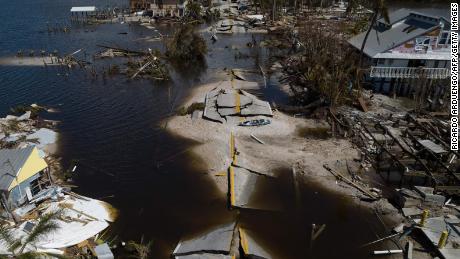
405,148
240,24
151,67
26,129
38,214
441,232
222,105
111,52
411,151
78,222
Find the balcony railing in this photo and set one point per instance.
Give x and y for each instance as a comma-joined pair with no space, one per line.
409,72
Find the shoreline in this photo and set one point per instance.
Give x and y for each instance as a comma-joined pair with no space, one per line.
38,132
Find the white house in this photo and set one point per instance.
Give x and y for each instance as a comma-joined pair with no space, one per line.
410,46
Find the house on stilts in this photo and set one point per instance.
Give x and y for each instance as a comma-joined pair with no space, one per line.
408,53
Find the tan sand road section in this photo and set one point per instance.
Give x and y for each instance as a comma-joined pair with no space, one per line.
28,61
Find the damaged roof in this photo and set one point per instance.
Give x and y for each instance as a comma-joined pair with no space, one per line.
404,25
11,161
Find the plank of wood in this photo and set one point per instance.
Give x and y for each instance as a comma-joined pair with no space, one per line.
362,103
257,139
350,182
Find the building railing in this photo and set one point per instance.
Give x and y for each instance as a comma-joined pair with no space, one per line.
409,72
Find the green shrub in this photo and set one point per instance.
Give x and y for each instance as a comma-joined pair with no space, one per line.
182,111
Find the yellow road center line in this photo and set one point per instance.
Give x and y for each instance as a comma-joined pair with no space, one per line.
232,186
237,102
232,146
244,241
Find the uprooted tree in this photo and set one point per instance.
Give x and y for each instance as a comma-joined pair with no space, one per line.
193,10
323,70
186,47
140,250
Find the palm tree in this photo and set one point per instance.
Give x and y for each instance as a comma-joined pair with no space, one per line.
352,4
16,246
380,10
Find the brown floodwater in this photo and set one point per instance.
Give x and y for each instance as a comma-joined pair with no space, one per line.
286,234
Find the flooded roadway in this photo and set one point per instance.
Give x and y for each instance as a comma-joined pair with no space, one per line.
112,127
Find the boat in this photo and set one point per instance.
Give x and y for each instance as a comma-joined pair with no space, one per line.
259,122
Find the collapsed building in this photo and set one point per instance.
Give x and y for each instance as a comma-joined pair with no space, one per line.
23,174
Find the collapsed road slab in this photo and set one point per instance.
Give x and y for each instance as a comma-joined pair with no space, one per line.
250,246
256,109
216,240
220,104
210,109
250,163
232,99
253,191
224,112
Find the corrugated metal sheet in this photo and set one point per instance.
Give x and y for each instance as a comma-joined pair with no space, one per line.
381,41
11,160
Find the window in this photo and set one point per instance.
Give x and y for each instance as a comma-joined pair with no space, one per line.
422,41
444,38
436,64
390,62
381,61
416,63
